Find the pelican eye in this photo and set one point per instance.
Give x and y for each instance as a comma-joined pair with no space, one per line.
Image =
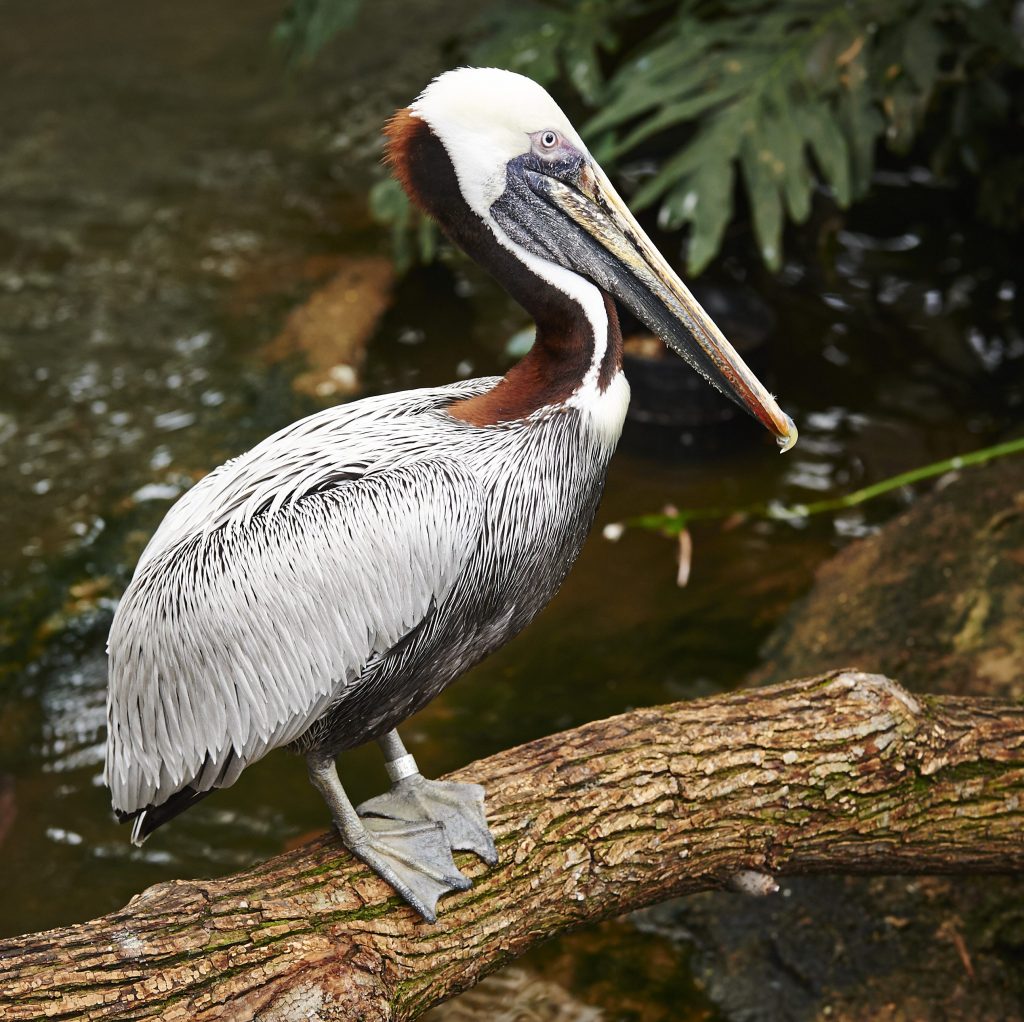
549,139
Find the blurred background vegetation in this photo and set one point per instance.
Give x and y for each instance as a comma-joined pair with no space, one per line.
717,111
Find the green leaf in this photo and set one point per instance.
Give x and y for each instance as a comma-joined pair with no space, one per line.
765,201
602,148
525,38
778,131
828,144
427,238
412,234
584,69
797,186
827,54
710,214
675,114
923,47
862,124
654,80
717,141
389,204
308,25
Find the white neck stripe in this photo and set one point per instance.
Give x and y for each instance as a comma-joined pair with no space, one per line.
586,295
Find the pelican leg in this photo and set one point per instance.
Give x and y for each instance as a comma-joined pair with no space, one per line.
413,856
460,807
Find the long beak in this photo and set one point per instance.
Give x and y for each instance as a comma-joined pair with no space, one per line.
625,262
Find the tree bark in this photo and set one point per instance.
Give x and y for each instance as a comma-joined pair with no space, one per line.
844,773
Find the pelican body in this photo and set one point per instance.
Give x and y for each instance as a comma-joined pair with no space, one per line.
321,588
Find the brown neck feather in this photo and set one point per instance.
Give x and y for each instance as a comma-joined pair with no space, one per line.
564,348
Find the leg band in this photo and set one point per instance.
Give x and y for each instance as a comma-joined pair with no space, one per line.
404,766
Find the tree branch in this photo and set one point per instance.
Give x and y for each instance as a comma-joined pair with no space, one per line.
842,773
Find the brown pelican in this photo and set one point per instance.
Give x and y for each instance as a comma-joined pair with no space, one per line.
321,588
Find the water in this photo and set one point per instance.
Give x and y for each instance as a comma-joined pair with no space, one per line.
167,196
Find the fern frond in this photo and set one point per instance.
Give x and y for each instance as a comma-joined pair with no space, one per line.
792,95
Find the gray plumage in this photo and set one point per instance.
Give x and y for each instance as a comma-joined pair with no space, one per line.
327,584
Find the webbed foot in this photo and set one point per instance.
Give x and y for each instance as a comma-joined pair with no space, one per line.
460,807
414,858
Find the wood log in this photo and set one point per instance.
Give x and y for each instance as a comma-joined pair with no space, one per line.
842,773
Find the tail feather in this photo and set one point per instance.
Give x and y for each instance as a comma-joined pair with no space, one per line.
147,820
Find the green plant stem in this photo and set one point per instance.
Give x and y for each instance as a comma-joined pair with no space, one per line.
673,524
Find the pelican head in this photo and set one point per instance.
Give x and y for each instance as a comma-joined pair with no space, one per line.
522,170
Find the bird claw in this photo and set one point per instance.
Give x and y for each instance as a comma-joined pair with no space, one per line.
459,807
414,858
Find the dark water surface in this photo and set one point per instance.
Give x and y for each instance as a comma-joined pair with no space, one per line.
167,194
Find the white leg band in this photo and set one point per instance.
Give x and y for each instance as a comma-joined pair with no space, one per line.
404,766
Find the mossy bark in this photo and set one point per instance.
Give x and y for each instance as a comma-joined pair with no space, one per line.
843,772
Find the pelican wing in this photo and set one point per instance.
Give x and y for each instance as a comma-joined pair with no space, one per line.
234,640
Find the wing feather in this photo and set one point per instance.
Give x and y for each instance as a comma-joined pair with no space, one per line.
234,641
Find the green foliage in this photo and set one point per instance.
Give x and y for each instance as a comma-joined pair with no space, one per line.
548,41
308,25
412,234
784,96
768,100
